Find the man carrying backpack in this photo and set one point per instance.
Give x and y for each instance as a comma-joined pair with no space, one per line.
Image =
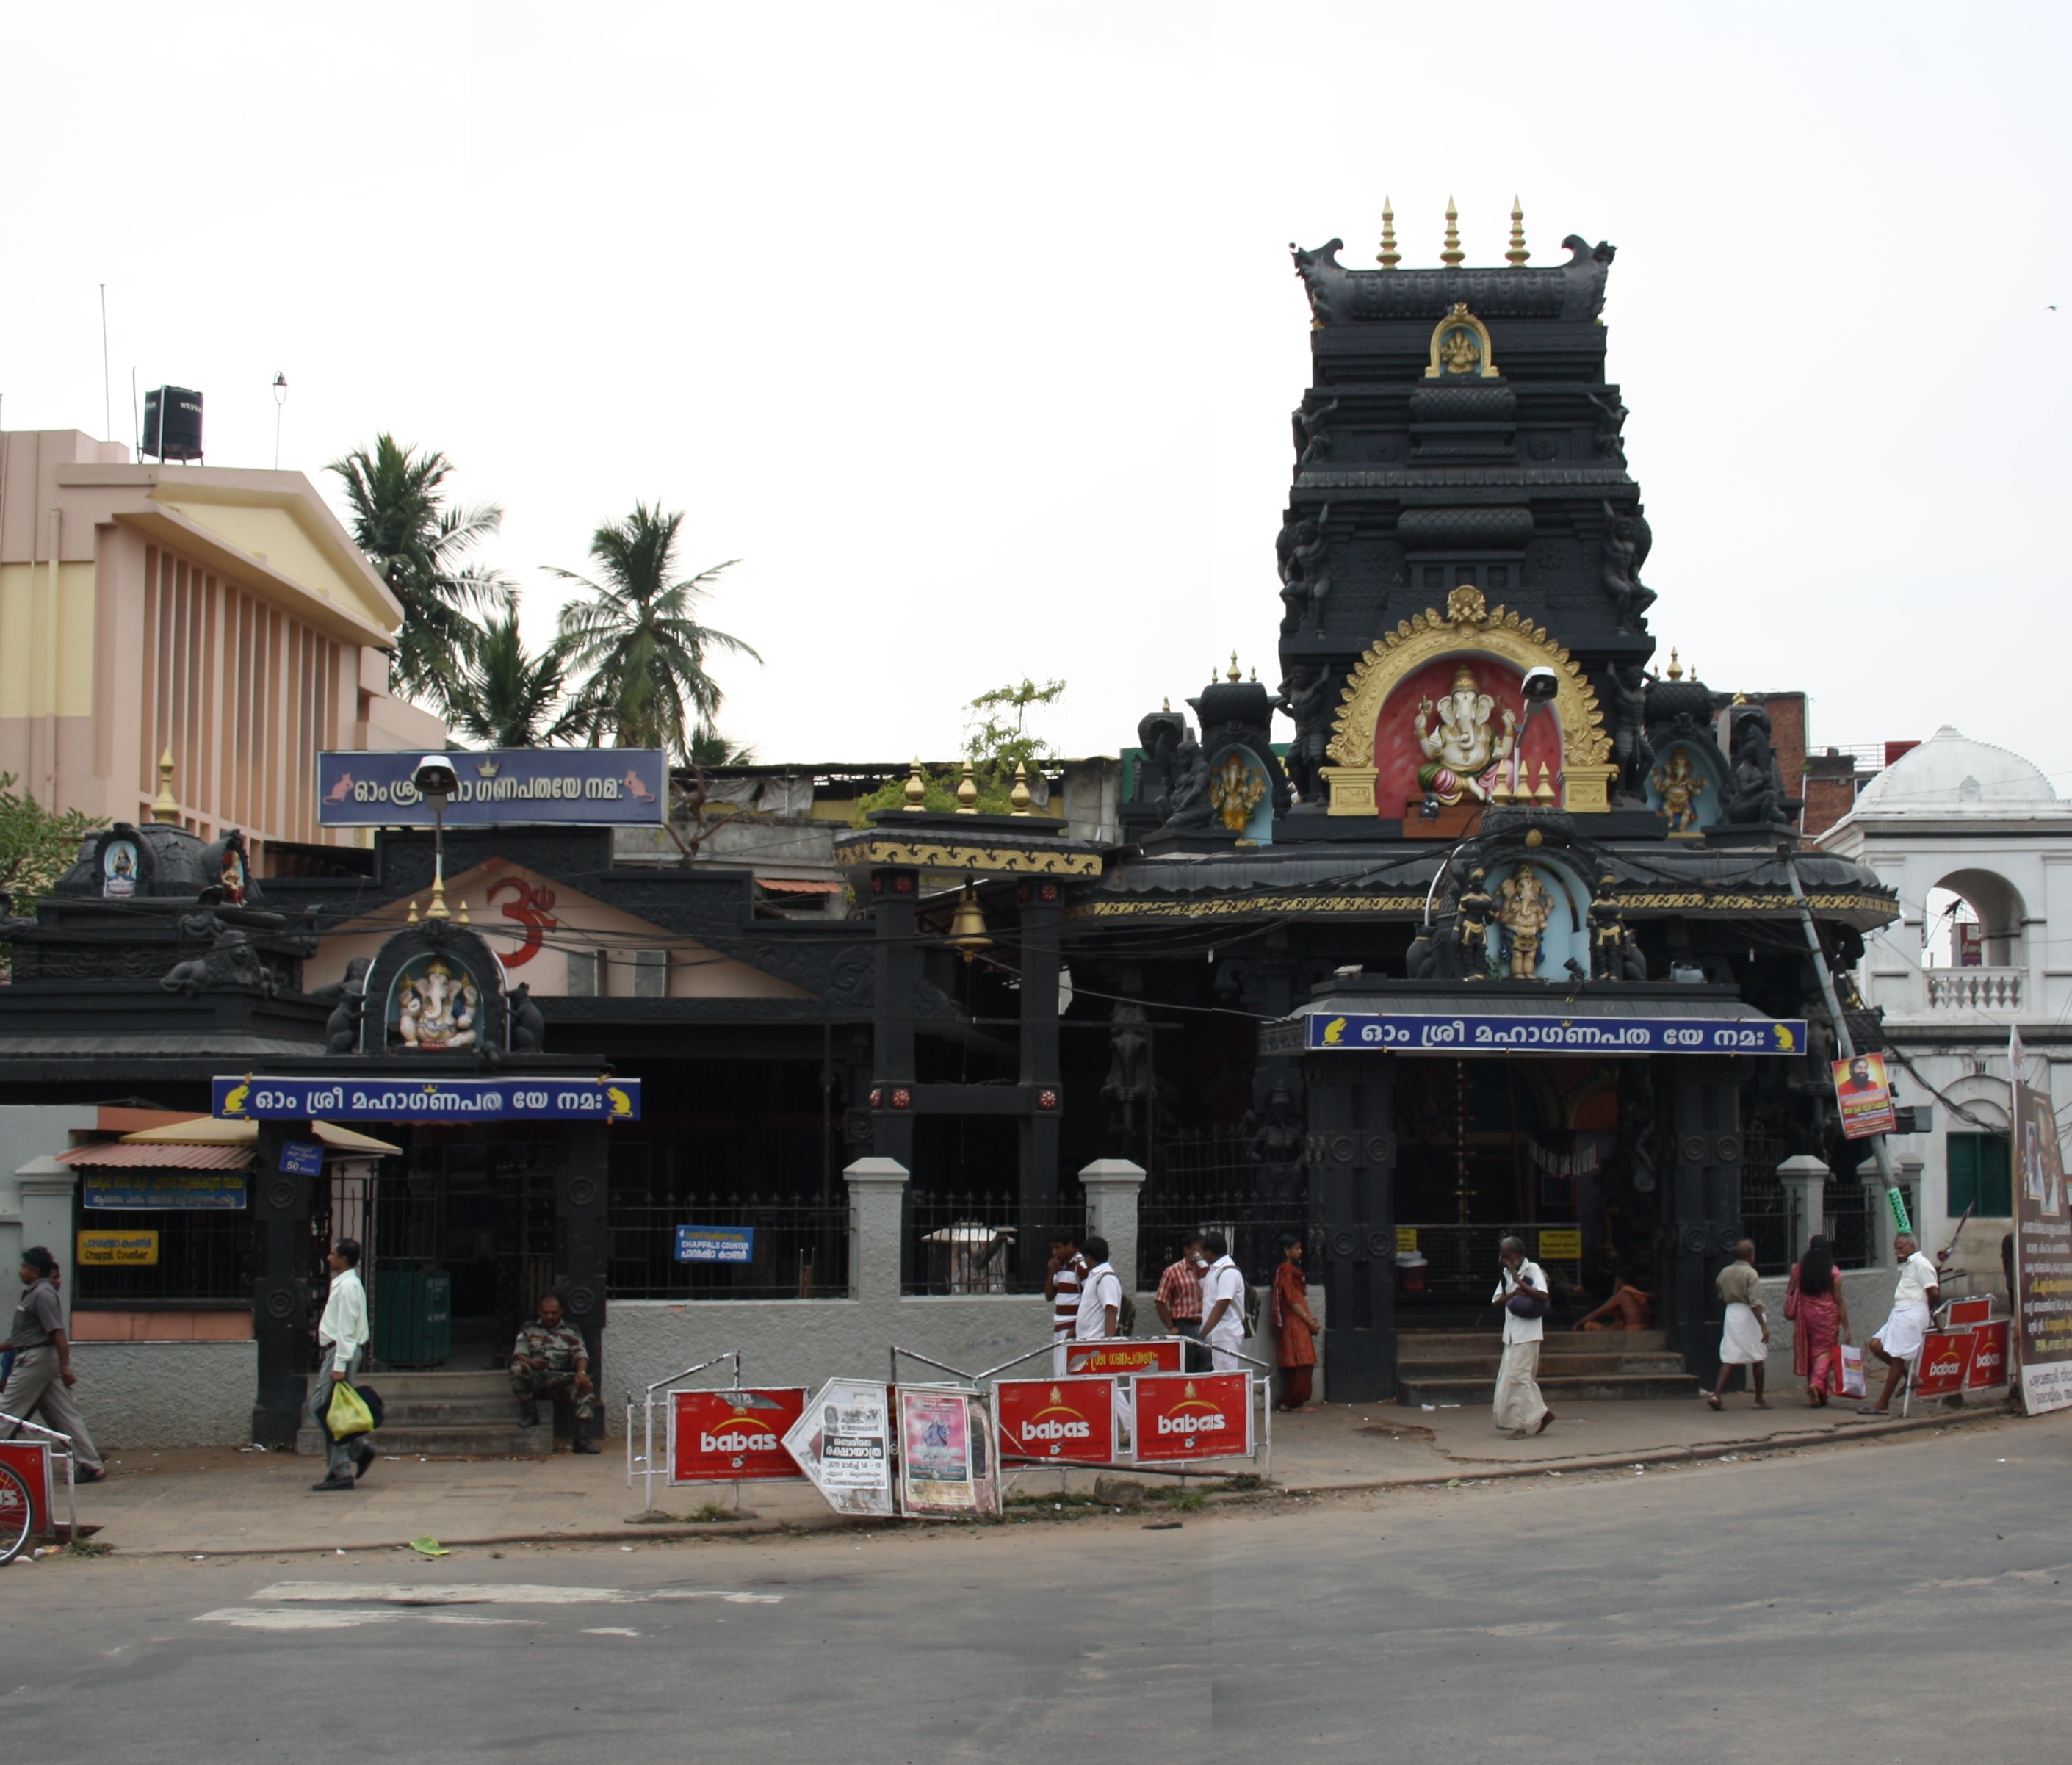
1100,1296
1223,1303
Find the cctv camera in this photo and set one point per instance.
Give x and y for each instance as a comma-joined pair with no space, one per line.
1541,685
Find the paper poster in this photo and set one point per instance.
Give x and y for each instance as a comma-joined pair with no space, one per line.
1866,1096
842,1443
944,1468
2042,1245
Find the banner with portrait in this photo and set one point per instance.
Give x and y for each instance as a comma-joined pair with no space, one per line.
2042,1242
1864,1093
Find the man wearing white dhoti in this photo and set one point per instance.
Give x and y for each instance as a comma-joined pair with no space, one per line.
1520,1409
1913,1303
1744,1336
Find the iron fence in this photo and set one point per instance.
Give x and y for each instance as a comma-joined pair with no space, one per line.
979,1242
1768,1218
801,1250
206,1256
1462,1261
1251,1223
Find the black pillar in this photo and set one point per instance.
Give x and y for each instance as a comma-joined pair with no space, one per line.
581,1190
1042,905
892,898
281,1314
1705,1197
1350,1152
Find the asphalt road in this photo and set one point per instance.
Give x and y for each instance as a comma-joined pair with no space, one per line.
1903,1602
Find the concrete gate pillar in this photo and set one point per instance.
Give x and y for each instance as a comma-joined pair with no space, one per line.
1805,1180
877,1227
1113,1188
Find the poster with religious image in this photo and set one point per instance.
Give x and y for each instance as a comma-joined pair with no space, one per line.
944,1465
2042,1243
118,869
1866,1096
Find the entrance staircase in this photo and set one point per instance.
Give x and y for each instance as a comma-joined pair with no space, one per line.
1435,1367
470,1414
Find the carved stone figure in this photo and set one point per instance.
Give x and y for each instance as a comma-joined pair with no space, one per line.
1159,735
1313,438
1460,749
1305,696
349,997
1758,794
1305,577
529,1025
437,1010
1612,415
1625,692
1625,547
1526,913
1613,954
1234,789
1189,802
230,962
1679,786
1477,907
1276,1144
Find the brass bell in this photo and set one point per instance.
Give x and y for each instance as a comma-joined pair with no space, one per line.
968,925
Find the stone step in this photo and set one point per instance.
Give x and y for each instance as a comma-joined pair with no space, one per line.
471,1440
1556,1341
444,1385
1551,1366
1599,1388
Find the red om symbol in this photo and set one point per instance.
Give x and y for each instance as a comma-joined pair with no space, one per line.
533,909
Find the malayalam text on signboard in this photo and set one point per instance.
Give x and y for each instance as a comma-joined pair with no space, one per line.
1470,1033
428,1099
2042,1245
181,1190
842,1441
715,1244
101,1249
573,786
1864,1095
1157,1354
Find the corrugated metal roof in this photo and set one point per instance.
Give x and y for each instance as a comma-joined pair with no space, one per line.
161,1157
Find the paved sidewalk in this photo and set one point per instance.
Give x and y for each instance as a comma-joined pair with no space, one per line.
195,1501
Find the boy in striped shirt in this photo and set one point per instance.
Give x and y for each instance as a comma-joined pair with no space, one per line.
1061,1286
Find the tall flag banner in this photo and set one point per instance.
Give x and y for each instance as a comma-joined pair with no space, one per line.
2042,1242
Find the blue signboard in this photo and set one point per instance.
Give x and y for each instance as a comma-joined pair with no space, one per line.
426,1100
180,1190
1471,1033
715,1244
571,786
301,1158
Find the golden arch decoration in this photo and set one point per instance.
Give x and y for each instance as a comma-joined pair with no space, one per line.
1470,626
1461,347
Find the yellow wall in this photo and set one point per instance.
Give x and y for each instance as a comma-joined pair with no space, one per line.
273,532
45,662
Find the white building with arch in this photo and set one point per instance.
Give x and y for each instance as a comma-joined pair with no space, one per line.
1954,818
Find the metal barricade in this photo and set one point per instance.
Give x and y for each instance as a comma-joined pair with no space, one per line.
646,1459
31,1461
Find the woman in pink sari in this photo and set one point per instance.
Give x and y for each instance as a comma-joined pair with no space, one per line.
1821,1319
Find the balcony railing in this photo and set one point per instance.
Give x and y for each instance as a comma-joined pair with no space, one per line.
1976,992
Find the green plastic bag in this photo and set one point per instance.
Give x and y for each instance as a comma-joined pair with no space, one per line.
347,1415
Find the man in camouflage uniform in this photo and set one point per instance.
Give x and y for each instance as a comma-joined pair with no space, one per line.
549,1360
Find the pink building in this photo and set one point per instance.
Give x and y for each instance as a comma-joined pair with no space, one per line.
221,616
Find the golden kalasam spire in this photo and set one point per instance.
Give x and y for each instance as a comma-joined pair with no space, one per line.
1390,257
1233,675
968,792
917,791
1675,667
1019,796
1517,255
1453,254
165,806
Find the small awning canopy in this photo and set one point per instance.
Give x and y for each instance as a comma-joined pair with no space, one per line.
206,1144
105,1154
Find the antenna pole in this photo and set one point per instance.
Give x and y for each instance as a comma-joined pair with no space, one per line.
107,395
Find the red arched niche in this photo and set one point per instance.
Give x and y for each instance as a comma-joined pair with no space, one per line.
1397,756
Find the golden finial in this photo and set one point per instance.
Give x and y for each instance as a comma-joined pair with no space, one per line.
1543,792
462,914
1255,675
165,806
413,910
1390,257
1517,255
1675,667
966,792
1019,796
1453,254
1233,675
1165,703
438,909
1740,699
917,791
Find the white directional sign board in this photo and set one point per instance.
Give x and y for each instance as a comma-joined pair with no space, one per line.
842,1442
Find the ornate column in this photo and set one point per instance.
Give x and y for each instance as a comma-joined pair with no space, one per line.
1112,1186
1350,1152
1042,905
282,1314
582,1193
877,1227
1705,1189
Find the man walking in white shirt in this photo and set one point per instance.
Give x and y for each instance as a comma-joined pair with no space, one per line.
1520,1409
342,1337
1223,1303
1100,1295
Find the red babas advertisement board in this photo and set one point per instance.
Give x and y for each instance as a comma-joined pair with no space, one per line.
1946,1357
1058,1421
1201,1415
1989,1357
1120,1355
724,1436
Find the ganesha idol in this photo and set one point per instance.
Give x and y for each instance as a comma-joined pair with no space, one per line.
1461,751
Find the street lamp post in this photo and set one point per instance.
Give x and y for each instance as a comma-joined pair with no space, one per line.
436,780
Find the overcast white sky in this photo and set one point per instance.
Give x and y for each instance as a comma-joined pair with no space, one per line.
971,329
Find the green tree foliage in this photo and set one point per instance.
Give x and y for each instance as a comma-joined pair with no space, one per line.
638,640
416,539
506,696
997,737
709,747
37,844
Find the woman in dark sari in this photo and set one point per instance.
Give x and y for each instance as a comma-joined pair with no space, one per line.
1820,1322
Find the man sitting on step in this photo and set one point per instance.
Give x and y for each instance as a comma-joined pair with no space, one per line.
1629,1308
551,1359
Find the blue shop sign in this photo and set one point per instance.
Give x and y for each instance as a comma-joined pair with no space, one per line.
426,1100
715,1244
1472,1033
180,1192
584,787
301,1158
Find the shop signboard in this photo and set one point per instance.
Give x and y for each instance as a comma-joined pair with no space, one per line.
179,1191
247,1099
715,1244
2042,1245
578,787
842,1442
1964,1312
1989,1357
946,1469
1864,1095
719,1437
1191,1416
1056,1420
1124,1355
1946,1358
100,1248
301,1157
1468,1032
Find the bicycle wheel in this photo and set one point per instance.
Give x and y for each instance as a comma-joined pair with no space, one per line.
14,1513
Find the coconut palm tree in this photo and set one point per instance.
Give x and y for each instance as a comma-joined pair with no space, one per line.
638,639
416,539
505,695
